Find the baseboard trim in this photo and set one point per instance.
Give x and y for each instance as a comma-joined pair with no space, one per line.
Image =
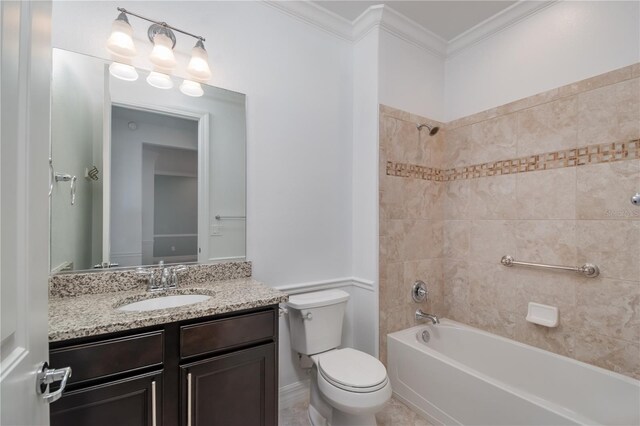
290,395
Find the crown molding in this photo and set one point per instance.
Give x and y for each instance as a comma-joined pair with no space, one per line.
407,29
316,16
393,22
496,23
367,20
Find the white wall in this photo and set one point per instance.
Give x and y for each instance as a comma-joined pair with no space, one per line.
364,250
566,42
411,77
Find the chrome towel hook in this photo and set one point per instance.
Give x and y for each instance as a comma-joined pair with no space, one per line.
74,185
59,177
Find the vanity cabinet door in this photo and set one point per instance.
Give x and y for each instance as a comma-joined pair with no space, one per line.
236,389
136,401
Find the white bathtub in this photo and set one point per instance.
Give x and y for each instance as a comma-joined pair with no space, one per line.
465,376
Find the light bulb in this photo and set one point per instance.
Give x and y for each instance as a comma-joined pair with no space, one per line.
159,80
191,88
123,71
162,53
199,64
120,41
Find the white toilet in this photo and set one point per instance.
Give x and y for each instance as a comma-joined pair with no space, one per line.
347,386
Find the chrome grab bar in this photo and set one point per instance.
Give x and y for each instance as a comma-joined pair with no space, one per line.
588,269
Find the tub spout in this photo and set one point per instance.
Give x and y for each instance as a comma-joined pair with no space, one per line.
421,315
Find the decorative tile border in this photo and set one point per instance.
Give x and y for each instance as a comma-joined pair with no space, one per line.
415,171
591,154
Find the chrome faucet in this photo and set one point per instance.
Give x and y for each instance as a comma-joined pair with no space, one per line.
168,276
422,315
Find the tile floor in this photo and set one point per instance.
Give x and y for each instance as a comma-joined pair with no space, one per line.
394,414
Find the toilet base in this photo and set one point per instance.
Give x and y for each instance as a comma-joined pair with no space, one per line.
340,419
321,413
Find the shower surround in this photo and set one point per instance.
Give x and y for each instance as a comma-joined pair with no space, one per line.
545,179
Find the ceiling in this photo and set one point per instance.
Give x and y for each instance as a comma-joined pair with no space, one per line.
447,19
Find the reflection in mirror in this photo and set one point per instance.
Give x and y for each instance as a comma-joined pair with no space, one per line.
154,188
143,175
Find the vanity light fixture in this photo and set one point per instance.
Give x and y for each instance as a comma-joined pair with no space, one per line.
123,71
199,64
163,43
120,42
191,88
159,80
161,34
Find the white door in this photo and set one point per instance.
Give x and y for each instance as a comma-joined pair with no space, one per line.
25,51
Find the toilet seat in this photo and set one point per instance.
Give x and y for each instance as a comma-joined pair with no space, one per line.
352,370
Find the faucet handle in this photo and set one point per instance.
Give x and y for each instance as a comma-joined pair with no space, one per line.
174,275
144,273
149,276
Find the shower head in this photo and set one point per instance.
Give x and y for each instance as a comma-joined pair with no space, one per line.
432,129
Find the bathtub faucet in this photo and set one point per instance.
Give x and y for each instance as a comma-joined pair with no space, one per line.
421,315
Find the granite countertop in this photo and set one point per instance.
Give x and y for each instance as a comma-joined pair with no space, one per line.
93,314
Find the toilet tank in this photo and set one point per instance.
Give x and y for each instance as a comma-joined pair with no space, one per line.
315,320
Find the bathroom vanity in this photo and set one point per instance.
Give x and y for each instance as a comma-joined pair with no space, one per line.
213,362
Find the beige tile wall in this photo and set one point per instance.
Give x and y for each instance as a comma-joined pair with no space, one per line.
575,211
411,222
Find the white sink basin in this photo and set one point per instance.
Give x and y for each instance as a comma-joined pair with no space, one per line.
164,302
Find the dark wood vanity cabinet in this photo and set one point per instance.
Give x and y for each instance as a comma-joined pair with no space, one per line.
232,389
219,370
127,402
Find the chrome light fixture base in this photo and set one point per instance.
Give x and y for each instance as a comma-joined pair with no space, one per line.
161,29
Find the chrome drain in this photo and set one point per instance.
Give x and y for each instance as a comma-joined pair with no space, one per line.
426,336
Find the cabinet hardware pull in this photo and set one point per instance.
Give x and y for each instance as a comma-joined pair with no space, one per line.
153,403
189,399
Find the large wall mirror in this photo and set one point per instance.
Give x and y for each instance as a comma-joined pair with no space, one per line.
142,174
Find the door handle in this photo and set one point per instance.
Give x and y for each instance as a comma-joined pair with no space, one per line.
46,376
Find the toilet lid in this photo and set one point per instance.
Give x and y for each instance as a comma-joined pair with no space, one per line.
349,368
